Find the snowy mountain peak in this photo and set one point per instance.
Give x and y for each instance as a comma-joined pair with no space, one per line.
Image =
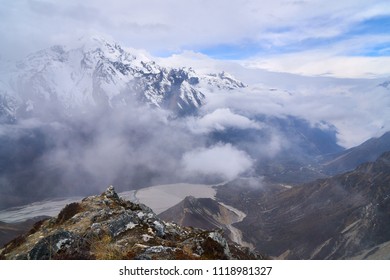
97,72
224,81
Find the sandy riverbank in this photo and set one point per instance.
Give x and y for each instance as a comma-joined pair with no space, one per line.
162,197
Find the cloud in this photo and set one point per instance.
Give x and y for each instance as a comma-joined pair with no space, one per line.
324,65
127,147
221,119
223,160
161,27
345,59
357,108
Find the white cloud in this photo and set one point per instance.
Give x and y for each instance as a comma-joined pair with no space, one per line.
357,108
333,60
336,66
173,25
219,120
221,160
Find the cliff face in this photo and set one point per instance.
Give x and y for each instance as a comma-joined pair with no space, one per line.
108,227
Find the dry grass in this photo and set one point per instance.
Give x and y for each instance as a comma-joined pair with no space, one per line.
105,249
68,212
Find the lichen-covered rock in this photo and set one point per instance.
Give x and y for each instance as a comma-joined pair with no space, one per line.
217,237
122,222
61,243
108,227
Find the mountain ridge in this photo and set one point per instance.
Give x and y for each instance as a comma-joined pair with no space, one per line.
96,72
108,227
349,159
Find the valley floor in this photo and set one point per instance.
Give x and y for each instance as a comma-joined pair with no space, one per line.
162,197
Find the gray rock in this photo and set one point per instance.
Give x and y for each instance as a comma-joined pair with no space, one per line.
120,224
159,249
145,208
159,228
143,257
110,193
217,237
48,247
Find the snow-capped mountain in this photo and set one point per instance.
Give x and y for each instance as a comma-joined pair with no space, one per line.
100,73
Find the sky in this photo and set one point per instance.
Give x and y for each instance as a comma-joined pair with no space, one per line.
348,38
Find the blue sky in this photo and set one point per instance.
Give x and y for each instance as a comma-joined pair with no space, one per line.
366,28
373,26
275,35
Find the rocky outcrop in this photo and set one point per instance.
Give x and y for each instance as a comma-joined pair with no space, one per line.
108,227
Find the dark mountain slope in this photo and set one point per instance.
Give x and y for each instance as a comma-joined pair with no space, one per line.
351,158
9,231
199,212
332,218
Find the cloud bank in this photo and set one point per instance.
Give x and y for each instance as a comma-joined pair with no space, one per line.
221,119
128,147
357,109
222,160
